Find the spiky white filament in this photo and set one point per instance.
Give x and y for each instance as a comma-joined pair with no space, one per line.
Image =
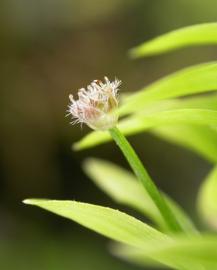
93,102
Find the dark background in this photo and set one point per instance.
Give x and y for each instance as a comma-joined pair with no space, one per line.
48,49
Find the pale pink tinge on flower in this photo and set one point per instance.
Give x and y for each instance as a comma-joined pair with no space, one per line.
95,104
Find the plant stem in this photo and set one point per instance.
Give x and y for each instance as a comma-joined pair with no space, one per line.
145,179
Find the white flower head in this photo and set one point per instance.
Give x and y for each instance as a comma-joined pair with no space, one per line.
95,104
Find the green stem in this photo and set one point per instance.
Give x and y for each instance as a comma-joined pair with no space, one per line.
145,179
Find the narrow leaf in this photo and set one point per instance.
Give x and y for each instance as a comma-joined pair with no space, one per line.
198,252
191,80
184,255
195,35
139,123
201,139
133,255
208,101
106,221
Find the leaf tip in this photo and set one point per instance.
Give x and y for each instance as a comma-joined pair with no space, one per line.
28,201
89,165
76,146
133,54
32,201
86,165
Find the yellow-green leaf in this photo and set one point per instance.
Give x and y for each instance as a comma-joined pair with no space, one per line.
192,252
191,80
201,139
139,123
195,35
179,252
106,221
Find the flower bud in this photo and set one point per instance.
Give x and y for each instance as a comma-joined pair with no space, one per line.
96,104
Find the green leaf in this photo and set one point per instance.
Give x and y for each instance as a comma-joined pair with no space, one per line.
185,254
195,35
191,80
124,188
207,199
133,255
208,101
103,220
201,139
139,123
197,102
198,252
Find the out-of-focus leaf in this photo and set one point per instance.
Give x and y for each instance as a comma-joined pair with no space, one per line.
196,102
103,220
138,123
191,80
198,252
207,199
201,139
199,102
195,35
133,255
123,187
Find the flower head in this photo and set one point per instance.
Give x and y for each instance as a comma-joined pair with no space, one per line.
95,104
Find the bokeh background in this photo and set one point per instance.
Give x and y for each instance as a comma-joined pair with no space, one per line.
49,49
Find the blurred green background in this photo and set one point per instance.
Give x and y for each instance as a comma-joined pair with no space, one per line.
49,49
